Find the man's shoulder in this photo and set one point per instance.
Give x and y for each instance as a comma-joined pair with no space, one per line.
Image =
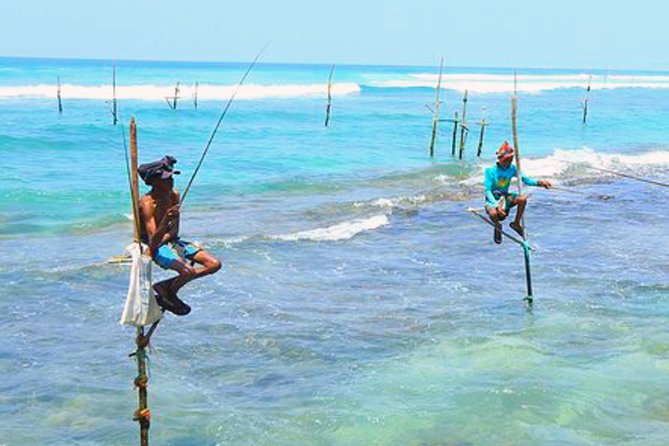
146,200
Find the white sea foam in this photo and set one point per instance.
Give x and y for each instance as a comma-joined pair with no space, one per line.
561,161
186,92
562,164
340,231
529,83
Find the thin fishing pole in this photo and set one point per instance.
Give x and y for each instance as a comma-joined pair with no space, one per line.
125,152
620,174
218,124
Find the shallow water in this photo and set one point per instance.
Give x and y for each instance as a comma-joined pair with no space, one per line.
359,303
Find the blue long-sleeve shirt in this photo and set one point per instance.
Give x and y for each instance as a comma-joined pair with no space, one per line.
497,182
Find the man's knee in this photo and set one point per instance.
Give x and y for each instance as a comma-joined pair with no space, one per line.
492,212
186,271
521,199
214,265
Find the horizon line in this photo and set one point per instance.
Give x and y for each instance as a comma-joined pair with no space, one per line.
346,64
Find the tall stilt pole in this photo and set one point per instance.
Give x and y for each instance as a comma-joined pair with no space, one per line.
329,103
585,101
114,103
463,126
435,116
514,125
60,101
483,126
142,414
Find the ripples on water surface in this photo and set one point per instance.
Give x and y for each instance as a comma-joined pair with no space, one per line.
359,303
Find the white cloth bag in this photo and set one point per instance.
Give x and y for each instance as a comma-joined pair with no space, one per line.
140,307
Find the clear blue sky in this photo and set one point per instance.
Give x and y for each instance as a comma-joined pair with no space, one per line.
516,33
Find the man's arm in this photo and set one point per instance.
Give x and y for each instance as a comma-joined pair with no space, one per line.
488,184
532,182
155,231
174,227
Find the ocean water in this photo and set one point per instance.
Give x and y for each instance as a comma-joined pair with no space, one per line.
359,303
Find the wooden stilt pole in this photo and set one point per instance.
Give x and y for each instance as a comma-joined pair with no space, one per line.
435,116
60,101
463,126
172,101
114,103
329,103
195,95
585,101
483,126
455,133
142,414
514,125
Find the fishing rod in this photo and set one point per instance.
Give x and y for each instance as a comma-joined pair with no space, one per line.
218,124
620,174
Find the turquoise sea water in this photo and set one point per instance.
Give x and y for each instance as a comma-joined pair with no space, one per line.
359,303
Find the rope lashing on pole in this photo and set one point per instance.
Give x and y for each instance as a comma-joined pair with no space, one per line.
218,124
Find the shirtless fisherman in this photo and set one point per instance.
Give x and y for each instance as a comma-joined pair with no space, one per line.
498,199
159,209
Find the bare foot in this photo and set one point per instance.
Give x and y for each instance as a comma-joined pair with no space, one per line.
518,228
170,301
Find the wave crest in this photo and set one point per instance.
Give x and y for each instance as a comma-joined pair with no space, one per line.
186,92
529,83
340,231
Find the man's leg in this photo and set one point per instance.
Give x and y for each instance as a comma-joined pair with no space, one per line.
164,294
210,265
520,201
495,218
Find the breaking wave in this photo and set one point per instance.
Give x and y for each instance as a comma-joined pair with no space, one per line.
340,231
529,83
159,93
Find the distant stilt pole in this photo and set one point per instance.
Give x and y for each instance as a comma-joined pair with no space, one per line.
435,116
483,126
142,414
114,102
514,126
463,126
585,101
195,95
455,133
172,101
60,101
329,103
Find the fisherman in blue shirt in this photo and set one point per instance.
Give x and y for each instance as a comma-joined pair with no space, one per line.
498,199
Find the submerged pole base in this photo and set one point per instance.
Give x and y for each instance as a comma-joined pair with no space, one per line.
529,301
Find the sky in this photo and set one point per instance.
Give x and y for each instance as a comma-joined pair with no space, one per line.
618,34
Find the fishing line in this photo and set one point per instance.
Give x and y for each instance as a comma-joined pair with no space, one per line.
218,124
625,175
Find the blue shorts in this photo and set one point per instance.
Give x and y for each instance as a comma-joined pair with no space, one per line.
508,199
177,250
